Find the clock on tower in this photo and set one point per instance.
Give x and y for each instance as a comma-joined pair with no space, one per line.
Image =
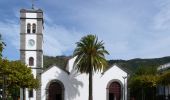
31,42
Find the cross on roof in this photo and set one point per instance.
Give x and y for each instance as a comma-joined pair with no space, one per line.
33,4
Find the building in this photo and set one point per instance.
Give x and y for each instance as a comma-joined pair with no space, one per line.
59,84
163,92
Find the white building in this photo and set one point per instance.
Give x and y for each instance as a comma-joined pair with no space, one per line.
59,84
163,92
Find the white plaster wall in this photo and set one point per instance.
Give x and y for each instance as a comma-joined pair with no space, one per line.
70,64
31,15
76,85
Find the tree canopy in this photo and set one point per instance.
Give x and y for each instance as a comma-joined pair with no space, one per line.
15,74
19,74
90,54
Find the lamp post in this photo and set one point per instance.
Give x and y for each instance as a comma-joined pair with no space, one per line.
4,88
124,78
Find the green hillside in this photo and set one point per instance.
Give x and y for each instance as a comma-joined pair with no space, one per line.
131,65
60,61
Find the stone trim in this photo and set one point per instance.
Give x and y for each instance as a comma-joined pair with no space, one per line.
22,25
22,56
31,34
31,50
35,68
31,18
38,72
31,11
22,14
22,42
39,26
39,40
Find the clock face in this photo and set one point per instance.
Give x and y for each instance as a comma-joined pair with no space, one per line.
31,42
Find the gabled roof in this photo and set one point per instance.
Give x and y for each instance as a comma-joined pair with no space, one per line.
122,68
71,57
57,67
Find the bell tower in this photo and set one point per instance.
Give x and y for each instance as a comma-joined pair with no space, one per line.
31,47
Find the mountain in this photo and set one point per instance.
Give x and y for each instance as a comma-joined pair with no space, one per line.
60,61
132,64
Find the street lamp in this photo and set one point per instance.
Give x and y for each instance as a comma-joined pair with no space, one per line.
124,78
4,88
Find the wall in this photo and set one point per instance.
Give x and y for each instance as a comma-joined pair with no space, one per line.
76,84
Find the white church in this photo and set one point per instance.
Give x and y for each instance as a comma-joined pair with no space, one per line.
59,84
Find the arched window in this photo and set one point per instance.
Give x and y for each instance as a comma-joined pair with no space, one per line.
31,61
114,91
28,28
34,28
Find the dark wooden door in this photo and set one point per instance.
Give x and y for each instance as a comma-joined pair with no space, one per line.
55,91
114,91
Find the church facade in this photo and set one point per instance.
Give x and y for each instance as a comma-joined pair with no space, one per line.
63,84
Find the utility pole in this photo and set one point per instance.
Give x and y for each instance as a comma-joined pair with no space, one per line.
124,78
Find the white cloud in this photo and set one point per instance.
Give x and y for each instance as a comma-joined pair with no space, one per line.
58,40
10,32
162,19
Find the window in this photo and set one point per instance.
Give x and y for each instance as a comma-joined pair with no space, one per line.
34,28
31,61
30,93
28,28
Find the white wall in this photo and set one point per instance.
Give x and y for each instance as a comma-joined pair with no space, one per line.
76,85
31,15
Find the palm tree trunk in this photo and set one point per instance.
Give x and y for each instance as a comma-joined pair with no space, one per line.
90,85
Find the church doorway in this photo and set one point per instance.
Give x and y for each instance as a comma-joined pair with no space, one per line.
114,91
56,91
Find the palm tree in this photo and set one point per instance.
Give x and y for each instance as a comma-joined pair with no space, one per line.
90,57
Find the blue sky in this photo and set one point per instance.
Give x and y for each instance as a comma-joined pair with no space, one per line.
129,28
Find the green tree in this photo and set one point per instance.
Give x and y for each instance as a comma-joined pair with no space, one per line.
21,75
144,82
164,78
90,57
15,74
